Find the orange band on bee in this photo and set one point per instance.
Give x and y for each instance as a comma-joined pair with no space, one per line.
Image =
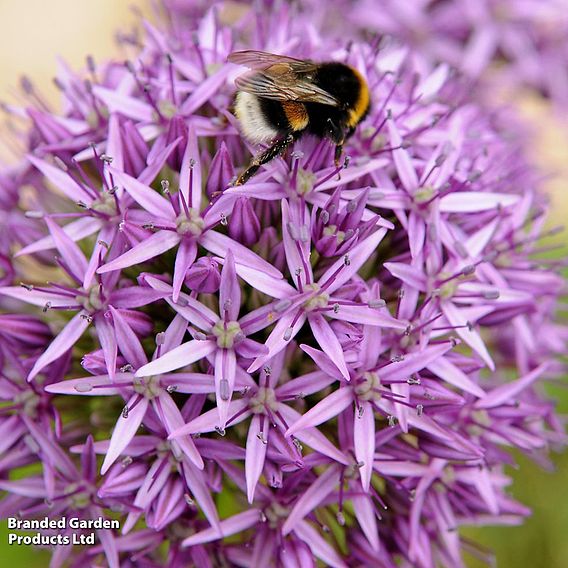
296,114
362,104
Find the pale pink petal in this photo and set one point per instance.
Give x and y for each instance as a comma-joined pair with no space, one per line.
312,497
124,104
125,430
66,338
196,482
205,90
509,391
322,360
358,255
328,341
193,311
128,341
366,517
144,195
230,291
172,419
209,421
107,340
365,315
219,244
76,230
61,181
225,372
257,442
413,362
475,201
280,336
38,297
364,441
154,245
452,374
185,256
228,527
407,273
96,385
332,405
191,168
68,249
318,545
313,438
470,336
295,219
181,356
106,235
402,159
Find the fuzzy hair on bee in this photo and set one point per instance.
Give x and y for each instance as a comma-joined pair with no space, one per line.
282,98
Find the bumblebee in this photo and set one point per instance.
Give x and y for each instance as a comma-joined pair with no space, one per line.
282,98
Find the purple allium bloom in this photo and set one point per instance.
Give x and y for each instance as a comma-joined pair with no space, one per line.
521,43
325,364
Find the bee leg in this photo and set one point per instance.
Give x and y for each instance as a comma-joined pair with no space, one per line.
269,154
337,155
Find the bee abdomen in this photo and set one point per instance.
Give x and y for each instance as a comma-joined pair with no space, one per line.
258,123
296,114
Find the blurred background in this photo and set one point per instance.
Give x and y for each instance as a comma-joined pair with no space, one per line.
33,33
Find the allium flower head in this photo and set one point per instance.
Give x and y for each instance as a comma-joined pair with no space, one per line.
327,364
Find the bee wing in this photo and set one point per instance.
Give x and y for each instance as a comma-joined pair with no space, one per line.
262,59
279,78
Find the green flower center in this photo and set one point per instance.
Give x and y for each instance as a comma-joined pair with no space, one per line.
365,389
424,194
264,399
105,204
226,333
192,225
93,301
149,387
29,402
331,230
305,181
317,300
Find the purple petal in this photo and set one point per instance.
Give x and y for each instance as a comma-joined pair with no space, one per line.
155,245
219,244
470,336
280,336
172,419
319,547
230,291
107,339
313,438
365,513
225,372
332,405
329,343
144,195
228,527
357,257
402,159
255,452
507,392
66,338
177,358
185,256
364,441
475,201
125,429
70,252
312,498
209,421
